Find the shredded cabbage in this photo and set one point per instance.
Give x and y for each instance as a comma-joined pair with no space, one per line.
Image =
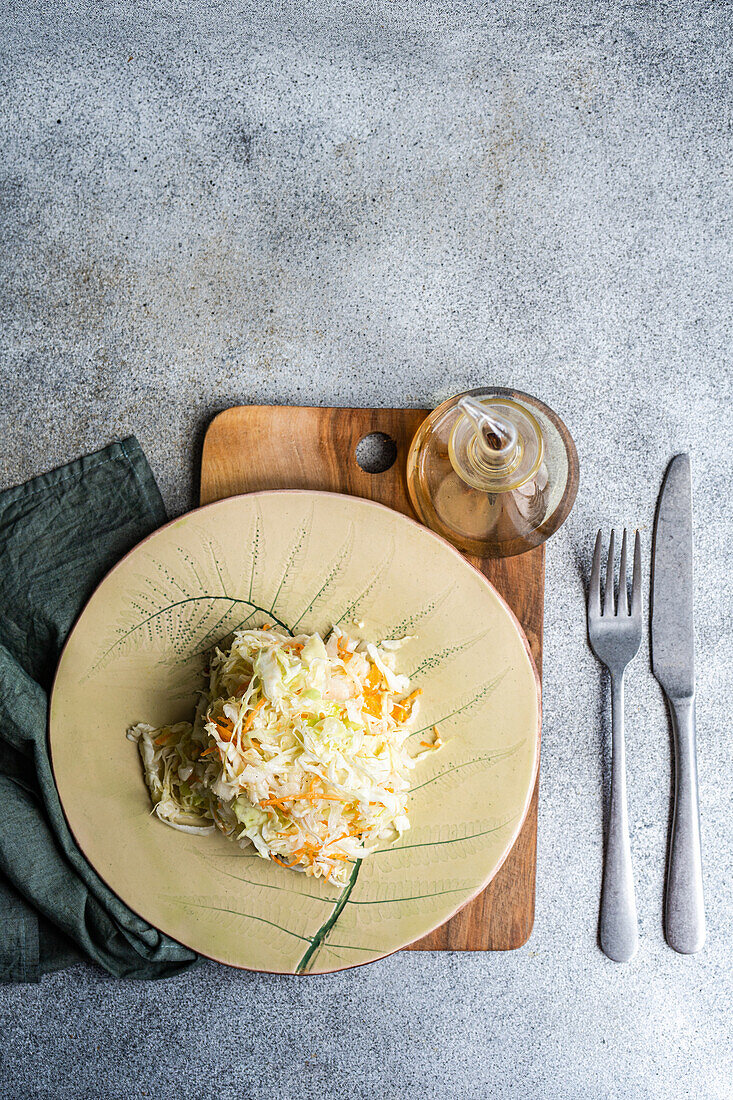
298,748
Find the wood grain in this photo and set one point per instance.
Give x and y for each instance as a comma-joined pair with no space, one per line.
250,448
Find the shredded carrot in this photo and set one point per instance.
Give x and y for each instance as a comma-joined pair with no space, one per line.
163,739
373,704
251,716
436,743
225,728
374,677
302,798
403,709
343,651
211,749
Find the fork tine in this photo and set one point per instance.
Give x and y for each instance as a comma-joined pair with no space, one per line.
594,587
623,596
636,579
608,608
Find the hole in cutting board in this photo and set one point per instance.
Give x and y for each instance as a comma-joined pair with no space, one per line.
376,452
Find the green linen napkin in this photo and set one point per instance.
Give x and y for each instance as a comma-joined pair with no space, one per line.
59,534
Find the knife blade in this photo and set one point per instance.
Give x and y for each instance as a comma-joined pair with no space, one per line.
673,646
673,662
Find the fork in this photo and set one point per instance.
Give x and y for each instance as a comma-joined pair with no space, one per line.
615,637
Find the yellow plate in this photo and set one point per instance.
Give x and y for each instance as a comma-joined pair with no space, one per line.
308,560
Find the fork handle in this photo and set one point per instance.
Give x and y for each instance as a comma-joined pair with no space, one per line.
619,934
684,920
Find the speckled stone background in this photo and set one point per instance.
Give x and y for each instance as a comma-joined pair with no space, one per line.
376,203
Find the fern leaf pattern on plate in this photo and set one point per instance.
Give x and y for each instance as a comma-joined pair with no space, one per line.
290,578
332,574
454,775
178,603
436,660
358,605
446,842
478,697
412,622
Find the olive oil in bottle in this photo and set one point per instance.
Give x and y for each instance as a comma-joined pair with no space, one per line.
494,471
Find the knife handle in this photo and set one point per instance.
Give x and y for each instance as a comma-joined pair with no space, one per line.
684,909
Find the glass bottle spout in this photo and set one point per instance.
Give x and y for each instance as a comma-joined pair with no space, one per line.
496,444
496,436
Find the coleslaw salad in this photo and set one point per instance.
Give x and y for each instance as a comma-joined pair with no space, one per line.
298,747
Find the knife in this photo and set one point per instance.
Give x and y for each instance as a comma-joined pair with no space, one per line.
673,662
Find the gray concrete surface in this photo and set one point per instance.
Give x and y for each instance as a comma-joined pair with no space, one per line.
369,203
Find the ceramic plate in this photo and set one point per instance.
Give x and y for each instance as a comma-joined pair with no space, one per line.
306,560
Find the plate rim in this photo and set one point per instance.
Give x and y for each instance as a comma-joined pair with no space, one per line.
513,836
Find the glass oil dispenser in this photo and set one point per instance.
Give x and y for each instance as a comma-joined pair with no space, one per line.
494,471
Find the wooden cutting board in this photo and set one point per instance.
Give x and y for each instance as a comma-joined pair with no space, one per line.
249,448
